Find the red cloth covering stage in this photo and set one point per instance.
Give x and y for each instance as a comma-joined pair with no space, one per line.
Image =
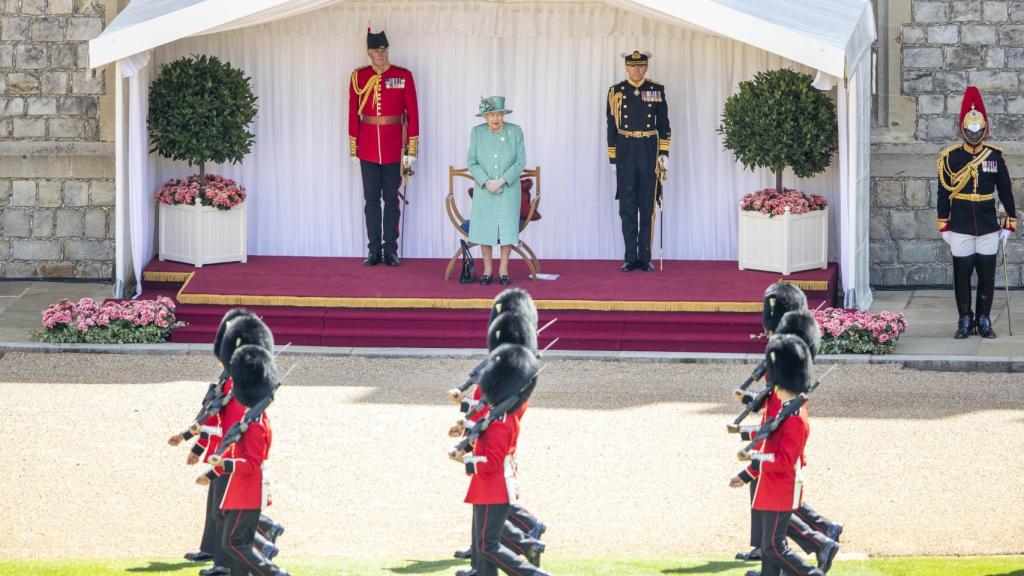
690,306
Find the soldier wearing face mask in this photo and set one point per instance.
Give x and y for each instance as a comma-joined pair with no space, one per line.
971,176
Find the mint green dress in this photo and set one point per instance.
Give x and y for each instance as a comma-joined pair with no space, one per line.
494,218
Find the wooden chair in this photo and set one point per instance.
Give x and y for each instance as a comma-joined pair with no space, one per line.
459,222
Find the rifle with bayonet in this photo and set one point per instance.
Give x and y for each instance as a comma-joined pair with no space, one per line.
790,408
234,434
456,394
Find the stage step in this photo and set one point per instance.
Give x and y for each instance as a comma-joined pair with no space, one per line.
426,327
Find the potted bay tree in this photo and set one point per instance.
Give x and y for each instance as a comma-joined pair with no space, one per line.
200,110
775,121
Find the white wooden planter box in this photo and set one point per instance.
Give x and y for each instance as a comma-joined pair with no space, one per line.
201,235
785,244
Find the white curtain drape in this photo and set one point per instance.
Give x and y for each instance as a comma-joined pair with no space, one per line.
140,186
553,62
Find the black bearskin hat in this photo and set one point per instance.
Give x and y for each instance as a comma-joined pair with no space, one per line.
514,300
511,369
780,298
511,328
228,317
241,331
789,363
254,374
802,323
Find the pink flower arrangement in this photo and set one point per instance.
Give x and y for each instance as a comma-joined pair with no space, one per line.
129,321
773,203
221,193
846,331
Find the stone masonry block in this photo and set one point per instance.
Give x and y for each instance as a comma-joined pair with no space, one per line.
23,193
96,223
88,250
70,224
17,223
42,223
49,194
76,193
102,193
922,57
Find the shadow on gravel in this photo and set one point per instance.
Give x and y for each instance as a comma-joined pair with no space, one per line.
877,392
426,566
708,568
161,567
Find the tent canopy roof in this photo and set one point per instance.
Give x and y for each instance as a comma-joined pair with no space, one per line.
828,35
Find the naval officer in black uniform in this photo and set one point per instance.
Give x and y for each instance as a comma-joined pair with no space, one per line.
638,143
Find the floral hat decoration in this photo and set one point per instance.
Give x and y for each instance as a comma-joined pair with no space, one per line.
492,104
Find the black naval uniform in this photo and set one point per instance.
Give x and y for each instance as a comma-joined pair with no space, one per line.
970,177
638,132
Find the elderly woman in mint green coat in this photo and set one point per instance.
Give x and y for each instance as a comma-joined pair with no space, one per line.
497,155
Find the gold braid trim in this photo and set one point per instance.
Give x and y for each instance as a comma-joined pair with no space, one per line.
615,103
364,93
955,182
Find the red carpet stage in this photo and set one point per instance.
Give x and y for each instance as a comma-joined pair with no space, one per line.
696,306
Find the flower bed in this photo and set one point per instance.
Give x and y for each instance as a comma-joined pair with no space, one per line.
219,192
128,322
852,332
773,203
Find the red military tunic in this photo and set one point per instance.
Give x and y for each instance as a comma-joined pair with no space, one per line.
486,466
771,409
244,463
780,486
377,103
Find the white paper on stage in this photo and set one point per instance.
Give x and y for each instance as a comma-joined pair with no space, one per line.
554,62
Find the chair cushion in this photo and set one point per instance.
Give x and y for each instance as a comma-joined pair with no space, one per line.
524,203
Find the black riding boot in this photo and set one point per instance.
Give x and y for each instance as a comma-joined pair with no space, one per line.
963,267
985,264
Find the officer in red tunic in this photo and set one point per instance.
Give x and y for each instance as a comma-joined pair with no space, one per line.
381,107
511,370
780,484
971,175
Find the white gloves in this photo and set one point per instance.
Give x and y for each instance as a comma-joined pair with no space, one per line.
662,159
495,185
408,160
355,160
1004,235
946,237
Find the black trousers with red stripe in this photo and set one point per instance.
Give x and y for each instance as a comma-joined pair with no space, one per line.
211,537
522,519
806,527
776,556
489,554
239,536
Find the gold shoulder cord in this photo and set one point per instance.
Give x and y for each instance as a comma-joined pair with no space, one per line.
615,103
955,182
364,92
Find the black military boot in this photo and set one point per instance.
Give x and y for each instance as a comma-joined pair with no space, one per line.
985,264
963,268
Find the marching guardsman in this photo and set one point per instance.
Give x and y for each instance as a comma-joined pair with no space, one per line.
638,141
491,466
254,378
780,485
383,138
970,176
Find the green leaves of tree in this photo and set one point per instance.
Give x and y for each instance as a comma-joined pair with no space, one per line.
778,119
199,111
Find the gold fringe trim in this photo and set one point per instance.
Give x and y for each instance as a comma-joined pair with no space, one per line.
462,303
155,276
808,285
458,303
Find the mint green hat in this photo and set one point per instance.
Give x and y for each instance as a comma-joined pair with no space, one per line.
492,104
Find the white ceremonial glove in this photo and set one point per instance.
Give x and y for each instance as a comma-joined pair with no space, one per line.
947,237
408,160
662,159
355,160
1004,235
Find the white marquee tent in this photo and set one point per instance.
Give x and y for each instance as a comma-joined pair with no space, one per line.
553,61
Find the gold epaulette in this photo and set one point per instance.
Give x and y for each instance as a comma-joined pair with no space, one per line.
994,147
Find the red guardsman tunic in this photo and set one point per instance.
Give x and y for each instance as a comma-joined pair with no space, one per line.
377,103
780,486
487,464
244,463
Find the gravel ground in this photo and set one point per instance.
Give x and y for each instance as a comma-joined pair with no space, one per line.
618,458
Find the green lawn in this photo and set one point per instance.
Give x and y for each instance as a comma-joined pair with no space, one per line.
951,566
